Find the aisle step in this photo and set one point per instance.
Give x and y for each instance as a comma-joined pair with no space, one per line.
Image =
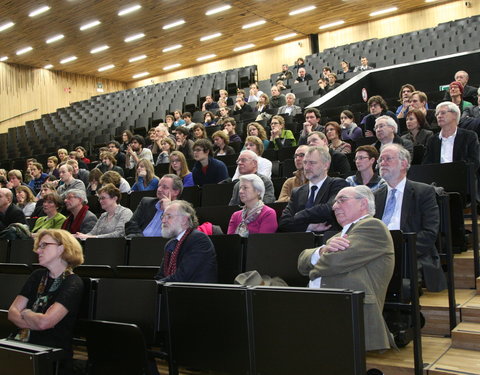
470,310
478,285
464,273
434,307
466,335
457,361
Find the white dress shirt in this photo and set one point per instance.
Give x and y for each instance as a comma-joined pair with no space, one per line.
446,150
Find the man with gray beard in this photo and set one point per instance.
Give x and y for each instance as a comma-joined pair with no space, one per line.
189,255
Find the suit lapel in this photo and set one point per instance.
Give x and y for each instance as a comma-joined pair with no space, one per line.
380,202
458,143
323,190
408,200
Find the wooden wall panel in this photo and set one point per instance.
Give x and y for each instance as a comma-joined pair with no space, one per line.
23,88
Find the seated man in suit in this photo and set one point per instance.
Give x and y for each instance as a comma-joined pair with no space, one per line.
311,204
298,178
386,130
410,206
290,109
190,255
9,212
248,164
360,257
147,218
339,162
452,143
303,76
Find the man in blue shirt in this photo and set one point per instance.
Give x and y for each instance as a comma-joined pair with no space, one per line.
38,177
147,218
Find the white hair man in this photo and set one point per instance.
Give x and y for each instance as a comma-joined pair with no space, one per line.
360,257
290,108
386,130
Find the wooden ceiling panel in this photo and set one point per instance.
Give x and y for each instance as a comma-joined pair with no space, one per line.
66,16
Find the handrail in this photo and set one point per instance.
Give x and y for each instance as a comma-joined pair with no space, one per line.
20,114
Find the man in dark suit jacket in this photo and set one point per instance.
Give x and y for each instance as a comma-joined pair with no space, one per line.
413,209
147,218
9,213
339,163
190,255
311,205
469,92
465,142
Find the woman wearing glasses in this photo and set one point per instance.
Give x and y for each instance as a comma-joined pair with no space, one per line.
179,166
46,308
365,158
111,223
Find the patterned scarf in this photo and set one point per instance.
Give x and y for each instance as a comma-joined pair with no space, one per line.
248,216
170,262
41,302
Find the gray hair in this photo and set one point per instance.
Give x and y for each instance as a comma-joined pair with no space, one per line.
257,183
403,153
290,94
452,107
177,182
322,151
77,193
364,192
390,122
186,209
252,154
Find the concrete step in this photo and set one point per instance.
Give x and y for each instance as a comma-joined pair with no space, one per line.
470,310
466,335
434,307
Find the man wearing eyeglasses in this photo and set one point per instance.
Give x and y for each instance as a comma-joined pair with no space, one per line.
452,143
386,130
248,164
147,218
310,207
298,178
360,257
410,206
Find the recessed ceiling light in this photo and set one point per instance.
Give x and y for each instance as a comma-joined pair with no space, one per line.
173,66
99,49
211,36
286,36
68,59
90,25
173,24
430,1
332,24
217,10
54,38
206,57
137,58
172,48
6,26
246,46
383,11
253,24
106,67
38,11
140,75
134,37
49,66
24,50
128,10
4,58
302,10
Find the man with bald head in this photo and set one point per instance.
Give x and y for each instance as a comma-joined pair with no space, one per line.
469,92
248,164
360,257
9,213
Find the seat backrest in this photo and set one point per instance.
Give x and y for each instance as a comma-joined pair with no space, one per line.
130,301
191,194
276,254
217,194
146,251
105,251
21,252
136,197
217,215
115,348
3,251
229,249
